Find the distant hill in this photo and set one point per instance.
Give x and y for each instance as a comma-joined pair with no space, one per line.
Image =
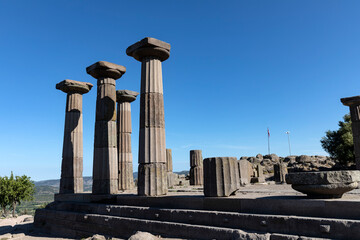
54,184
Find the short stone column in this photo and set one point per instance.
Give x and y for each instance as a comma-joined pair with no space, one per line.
196,168
72,157
354,105
126,177
245,171
169,169
105,166
152,174
280,171
221,176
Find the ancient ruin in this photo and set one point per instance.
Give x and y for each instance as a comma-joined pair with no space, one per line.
221,176
245,172
124,98
280,171
354,105
152,180
105,167
72,157
196,168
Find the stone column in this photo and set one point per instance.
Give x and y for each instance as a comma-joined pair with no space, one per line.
169,165
354,104
152,154
72,157
280,171
105,166
126,177
196,168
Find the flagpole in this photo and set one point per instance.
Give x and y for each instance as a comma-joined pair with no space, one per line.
268,132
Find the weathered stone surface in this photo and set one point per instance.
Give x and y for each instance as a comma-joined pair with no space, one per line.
72,86
104,69
126,178
142,236
72,157
303,159
152,148
105,166
149,47
258,176
333,190
169,165
220,176
280,171
244,172
196,158
126,96
326,177
152,179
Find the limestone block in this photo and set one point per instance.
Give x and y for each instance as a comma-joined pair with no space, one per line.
152,179
327,184
244,172
151,76
280,171
149,47
152,146
104,69
125,157
71,86
124,140
169,165
126,177
105,134
106,100
152,115
220,177
197,175
124,118
196,158
171,179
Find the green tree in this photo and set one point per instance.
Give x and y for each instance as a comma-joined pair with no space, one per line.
4,193
339,143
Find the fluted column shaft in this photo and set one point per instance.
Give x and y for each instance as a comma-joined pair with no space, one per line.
196,168
105,167
126,178
72,156
152,178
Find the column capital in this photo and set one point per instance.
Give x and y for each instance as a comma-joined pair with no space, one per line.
72,86
104,69
126,96
350,101
149,47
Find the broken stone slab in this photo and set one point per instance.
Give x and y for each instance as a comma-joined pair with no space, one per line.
221,177
280,171
326,184
244,172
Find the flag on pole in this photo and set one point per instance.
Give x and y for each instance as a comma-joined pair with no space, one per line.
268,132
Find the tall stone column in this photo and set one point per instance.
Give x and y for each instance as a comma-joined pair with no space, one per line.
152,154
126,177
196,168
354,104
72,157
105,166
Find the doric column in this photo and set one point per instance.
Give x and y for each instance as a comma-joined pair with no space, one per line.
354,104
72,157
152,154
196,168
124,98
105,166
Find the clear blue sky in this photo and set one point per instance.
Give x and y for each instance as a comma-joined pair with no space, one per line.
236,68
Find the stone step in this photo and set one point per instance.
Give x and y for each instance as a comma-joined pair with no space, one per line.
80,225
281,224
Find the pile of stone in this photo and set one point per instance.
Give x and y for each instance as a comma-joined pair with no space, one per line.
302,163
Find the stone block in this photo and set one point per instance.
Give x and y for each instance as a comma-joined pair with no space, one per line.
104,69
152,146
106,102
171,179
244,174
197,175
169,165
220,177
72,86
152,114
124,118
71,185
106,164
105,186
126,96
149,47
152,179
196,158
280,171
105,134
124,140
126,177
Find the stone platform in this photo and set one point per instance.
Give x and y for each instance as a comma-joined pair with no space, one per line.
256,212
